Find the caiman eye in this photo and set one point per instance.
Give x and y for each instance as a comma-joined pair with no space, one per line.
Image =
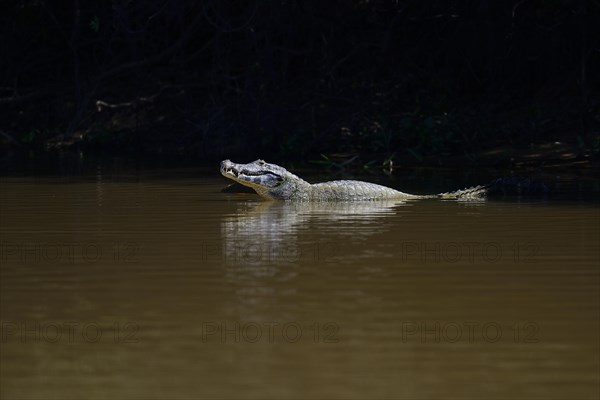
261,162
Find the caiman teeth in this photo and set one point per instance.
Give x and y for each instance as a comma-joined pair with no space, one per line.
231,171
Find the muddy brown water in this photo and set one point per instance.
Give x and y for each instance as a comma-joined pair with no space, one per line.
159,287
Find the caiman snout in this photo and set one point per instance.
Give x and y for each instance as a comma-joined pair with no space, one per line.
227,167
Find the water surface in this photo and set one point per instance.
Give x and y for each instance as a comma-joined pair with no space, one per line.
158,285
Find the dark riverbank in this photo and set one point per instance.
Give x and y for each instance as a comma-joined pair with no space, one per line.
362,83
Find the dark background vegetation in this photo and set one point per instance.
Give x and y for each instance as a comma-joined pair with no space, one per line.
422,82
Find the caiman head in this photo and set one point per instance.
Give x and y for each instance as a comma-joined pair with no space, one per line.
270,181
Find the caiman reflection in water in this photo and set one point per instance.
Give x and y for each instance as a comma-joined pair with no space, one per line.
248,233
269,233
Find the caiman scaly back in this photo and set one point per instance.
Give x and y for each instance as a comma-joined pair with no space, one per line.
273,182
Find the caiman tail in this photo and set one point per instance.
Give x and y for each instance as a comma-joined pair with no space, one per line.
518,186
472,193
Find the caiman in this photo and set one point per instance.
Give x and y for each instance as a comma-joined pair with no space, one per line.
273,182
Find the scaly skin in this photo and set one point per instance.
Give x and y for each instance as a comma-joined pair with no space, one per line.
355,190
273,182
